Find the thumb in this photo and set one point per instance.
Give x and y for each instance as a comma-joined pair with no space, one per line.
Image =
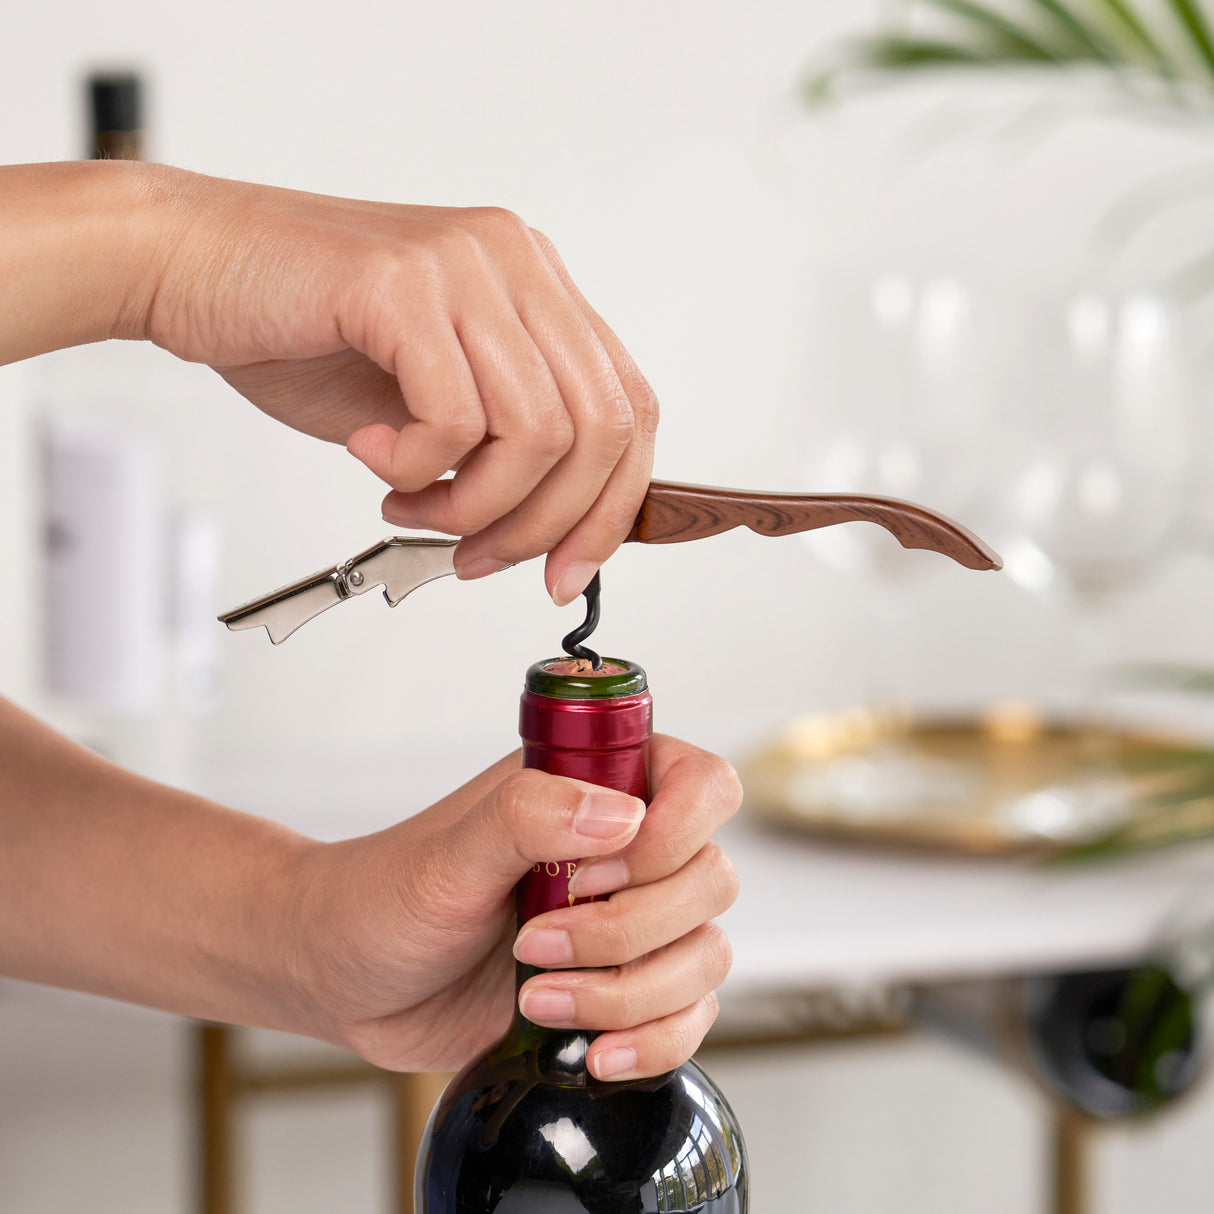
533,816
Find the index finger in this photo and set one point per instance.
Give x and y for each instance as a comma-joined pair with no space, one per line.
694,794
607,523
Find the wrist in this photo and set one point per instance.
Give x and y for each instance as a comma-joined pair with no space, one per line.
298,949
82,244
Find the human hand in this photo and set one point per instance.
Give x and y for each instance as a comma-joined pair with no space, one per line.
404,942
426,339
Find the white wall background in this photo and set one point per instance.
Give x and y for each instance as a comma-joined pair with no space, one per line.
661,146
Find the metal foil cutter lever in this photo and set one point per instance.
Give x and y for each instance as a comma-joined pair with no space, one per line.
400,565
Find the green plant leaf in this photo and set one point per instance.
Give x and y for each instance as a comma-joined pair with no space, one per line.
1003,32
886,53
1170,676
1151,829
1193,21
1112,34
1127,19
1082,34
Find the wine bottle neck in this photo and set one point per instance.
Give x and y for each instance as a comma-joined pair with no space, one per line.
594,728
548,1055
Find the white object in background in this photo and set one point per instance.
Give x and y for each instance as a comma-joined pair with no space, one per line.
104,608
195,549
20,541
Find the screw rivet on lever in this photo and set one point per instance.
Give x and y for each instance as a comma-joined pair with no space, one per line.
572,644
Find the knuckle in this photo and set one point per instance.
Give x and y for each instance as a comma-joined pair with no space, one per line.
498,223
616,517
453,243
627,1002
718,953
735,792
725,781
466,513
519,793
612,423
643,399
545,245
728,883
616,938
684,1034
464,428
554,435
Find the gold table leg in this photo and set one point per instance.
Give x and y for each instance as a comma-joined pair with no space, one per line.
215,1083
1070,1175
222,1081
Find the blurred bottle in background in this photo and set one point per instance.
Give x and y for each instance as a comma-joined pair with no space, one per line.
116,111
129,573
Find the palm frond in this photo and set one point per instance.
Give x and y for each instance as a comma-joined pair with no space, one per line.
1107,34
1192,22
891,53
991,25
1149,830
1086,37
1123,19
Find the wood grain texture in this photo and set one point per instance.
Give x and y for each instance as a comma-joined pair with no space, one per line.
673,514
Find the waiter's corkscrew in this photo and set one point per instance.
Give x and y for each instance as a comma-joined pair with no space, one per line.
669,514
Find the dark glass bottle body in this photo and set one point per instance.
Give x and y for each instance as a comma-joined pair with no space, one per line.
526,1129
1114,1043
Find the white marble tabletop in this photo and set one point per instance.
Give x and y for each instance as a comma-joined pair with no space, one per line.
814,914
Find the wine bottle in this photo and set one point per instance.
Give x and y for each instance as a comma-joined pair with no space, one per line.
1114,1043
1109,1043
526,1128
116,106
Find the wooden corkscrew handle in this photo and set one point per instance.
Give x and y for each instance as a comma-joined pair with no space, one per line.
673,514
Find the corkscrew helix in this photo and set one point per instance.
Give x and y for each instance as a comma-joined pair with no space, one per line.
572,643
669,514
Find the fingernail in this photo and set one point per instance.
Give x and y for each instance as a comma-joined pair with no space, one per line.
572,582
598,877
612,1064
605,814
483,566
544,946
547,1007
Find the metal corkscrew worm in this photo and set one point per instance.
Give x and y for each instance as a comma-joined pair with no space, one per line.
572,644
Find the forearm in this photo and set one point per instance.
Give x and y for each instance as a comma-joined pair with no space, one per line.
113,884
79,248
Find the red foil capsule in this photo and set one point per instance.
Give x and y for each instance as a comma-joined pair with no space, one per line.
593,726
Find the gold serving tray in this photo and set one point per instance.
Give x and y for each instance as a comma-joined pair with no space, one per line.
1009,783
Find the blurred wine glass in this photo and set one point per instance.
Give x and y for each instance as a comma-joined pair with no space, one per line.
906,360
1102,445
1100,455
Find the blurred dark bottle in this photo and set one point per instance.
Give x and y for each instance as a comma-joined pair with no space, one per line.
526,1128
116,105
1111,1043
